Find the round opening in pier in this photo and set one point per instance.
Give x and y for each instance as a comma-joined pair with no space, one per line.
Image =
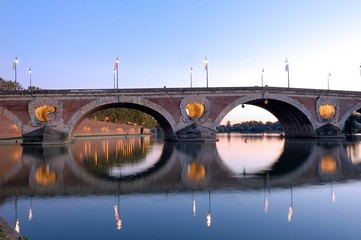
327,111
45,113
195,110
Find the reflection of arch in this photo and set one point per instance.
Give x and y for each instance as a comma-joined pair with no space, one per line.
88,176
348,113
298,151
295,118
161,115
12,117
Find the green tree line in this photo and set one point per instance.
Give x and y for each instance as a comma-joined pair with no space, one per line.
251,127
125,115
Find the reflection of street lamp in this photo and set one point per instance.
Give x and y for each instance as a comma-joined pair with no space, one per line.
333,194
30,216
194,208
118,221
209,216
266,189
17,223
205,64
290,209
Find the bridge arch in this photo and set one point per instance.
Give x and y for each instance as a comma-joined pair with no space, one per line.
348,113
161,115
295,118
12,117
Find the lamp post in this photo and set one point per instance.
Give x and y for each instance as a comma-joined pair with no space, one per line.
287,69
191,76
116,69
205,64
262,76
15,63
30,77
328,81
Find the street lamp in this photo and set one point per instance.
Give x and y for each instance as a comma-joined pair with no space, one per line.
262,76
205,64
15,63
116,69
191,75
30,77
287,69
328,81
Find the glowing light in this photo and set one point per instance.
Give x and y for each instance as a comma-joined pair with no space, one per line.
266,204
209,219
42,112
30,214
290,213
194,208
328,164
117,218
327,111
196,171
17,226
44,175
195,110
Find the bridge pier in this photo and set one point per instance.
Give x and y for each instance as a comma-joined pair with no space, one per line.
45,135
196,133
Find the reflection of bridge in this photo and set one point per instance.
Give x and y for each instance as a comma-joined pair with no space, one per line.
52,170
184,113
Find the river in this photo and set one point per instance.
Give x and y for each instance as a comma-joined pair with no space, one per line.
243,186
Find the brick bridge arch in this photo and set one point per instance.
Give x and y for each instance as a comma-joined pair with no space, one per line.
348,113
160,114
11,117
294,117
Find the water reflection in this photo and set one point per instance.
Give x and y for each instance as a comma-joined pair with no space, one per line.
195,173
149,165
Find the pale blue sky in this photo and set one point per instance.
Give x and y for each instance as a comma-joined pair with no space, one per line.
73,43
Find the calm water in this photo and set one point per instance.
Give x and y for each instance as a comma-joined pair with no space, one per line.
248,187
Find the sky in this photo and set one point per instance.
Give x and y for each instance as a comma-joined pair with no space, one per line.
72,44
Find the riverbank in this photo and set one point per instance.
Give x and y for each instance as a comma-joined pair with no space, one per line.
6,232
99,128
87,128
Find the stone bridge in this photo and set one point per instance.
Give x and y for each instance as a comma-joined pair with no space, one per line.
185,114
